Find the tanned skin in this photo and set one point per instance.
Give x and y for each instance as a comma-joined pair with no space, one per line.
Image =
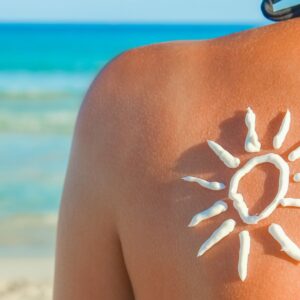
144,124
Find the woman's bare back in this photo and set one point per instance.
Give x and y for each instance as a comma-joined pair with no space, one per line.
143,126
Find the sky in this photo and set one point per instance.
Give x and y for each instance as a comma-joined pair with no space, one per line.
132,11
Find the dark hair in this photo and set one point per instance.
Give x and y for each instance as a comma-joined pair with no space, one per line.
280,15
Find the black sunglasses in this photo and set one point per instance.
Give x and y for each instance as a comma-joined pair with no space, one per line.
271,13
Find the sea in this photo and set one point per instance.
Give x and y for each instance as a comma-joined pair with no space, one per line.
45,70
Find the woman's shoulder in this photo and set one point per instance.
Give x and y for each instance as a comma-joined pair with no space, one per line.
146,67
143,86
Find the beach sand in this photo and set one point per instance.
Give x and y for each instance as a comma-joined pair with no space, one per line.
26,278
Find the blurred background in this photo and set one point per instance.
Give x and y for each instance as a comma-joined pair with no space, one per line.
49,53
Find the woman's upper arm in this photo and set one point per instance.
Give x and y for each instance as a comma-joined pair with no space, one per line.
89,260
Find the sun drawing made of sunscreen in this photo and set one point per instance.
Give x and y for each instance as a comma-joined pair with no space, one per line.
252,145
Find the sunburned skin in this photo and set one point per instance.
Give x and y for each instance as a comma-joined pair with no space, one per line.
227,158
216,186
284,129
225,229
252,143
219,207
244,254
287,245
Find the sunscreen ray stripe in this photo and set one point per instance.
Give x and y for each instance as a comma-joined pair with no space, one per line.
244,254
296,177
283,131
287,245
294,155
252,143
221,232
213,185
216,209
225,156
290,202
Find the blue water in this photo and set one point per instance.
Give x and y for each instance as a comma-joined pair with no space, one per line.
44,73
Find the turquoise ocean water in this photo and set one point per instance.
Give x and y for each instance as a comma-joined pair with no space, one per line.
44,73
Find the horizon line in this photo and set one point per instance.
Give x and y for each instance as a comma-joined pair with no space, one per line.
36,22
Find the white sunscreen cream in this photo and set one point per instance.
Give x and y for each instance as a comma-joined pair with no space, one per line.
219,207
252,143
294,155
287,245
244,254
237,198
290,202
225,229
296,177
216,186
226,157
283,131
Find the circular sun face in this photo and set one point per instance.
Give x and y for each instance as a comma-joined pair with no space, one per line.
237,198
253,145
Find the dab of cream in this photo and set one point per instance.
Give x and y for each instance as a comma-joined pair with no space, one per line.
252,143
226,157
225,229
290,202
287,245
294,155
244,254
296,177
216,186
237,198
219,207
283,131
